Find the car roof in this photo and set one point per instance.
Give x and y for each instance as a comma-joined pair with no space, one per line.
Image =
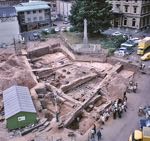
137,134
148,53
123,48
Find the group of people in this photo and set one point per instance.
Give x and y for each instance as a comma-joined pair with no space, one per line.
104,116
119,106
133,86
95,133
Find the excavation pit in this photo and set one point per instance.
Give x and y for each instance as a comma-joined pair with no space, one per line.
81,85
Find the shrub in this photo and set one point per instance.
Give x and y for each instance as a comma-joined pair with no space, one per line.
53,31
72,29
111,51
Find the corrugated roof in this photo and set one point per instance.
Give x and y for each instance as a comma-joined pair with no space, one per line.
17,99
32,5
7,12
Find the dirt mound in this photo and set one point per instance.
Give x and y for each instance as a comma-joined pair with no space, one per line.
4,57
116,87
13,71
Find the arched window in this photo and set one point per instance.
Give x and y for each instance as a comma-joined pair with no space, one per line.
133,21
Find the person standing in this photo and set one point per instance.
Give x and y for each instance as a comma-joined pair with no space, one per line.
94,128
92,134
124,96
99,135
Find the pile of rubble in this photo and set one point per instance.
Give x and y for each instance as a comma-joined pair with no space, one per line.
14,71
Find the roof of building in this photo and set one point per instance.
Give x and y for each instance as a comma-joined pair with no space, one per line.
17,99
7,12
32,5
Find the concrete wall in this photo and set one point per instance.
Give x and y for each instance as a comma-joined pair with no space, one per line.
9,30
39,52
63,8
119,7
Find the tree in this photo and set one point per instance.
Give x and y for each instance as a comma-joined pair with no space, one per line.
97,12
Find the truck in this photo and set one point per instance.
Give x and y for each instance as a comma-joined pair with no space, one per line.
139,135
143,45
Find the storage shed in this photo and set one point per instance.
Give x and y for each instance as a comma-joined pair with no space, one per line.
18,107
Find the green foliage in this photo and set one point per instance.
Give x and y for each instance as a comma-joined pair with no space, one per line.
53,31
112,43
118,40
72,29
97,12
111,51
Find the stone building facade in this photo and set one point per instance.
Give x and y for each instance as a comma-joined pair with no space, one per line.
133,14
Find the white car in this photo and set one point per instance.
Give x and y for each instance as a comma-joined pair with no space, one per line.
135,40
63,29
57,29
68,28
117,33
46,30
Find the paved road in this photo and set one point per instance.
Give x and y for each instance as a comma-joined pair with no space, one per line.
134,33
120,129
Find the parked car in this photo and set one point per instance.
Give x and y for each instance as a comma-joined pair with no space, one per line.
117,33
63,29
65,22
146,56
3,45
46,31
123,51
57,29
36,35
136,40
129,43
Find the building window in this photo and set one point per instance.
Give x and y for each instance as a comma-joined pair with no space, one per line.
134,9
46,10
35,18
133,22
126,0
28,12
135,0
29,19
147,9
34,12
126,8
143,21
40,11
118,5
147,20
125,21
144,10
40,18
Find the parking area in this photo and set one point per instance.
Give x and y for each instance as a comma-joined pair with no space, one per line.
58,26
